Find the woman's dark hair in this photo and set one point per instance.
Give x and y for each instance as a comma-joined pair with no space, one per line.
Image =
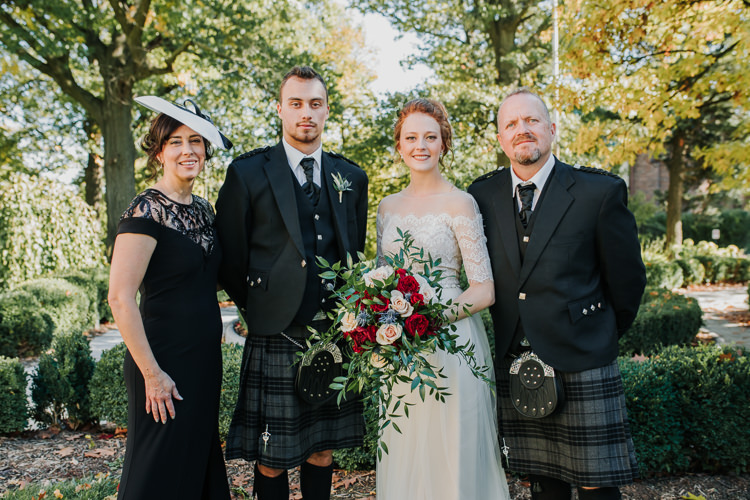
434,109
153,142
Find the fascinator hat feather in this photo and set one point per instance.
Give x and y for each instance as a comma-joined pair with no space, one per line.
194,119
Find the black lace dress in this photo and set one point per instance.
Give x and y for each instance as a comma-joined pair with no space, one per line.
182,458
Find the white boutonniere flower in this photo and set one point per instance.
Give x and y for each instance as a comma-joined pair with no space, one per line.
340,184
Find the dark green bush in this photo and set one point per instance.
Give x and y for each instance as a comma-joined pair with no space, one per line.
109,396
663,273
68,304
693,403
734,226
664,318
60,385
13,405
231,355
25,328
96,283
693,272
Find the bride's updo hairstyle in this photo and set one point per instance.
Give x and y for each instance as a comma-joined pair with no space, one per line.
434,109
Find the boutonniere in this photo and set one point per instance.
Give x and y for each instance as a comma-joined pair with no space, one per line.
340,184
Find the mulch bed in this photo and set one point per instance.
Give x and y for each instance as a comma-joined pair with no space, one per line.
37,456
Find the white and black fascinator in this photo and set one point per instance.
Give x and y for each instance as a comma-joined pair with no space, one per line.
194,119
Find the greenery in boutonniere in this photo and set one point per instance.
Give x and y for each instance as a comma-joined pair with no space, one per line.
340,184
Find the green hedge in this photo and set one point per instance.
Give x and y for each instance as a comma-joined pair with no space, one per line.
733,224
693,272
60,385
719,269
68,305
689,408
25,328
231,355
13,405
664,318
96,283
109,397
663,273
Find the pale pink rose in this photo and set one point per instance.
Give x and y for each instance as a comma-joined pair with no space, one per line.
378,361
379,274
400,304
388,334
348,322
425,289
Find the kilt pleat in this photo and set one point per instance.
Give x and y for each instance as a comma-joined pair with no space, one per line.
268,401
586,443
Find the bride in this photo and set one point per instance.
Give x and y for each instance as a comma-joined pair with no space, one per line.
445,450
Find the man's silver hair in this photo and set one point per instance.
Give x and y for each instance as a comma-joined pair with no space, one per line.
525,90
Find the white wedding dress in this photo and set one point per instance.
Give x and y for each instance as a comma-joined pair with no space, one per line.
445,450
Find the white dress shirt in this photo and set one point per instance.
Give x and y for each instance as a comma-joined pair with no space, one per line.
539,179
295,156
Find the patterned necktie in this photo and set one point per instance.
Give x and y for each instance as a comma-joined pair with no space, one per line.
526,194
309,187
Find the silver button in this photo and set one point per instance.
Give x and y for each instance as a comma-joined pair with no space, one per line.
320,237
525,239
593,307
599,305
521,296
303,263
247,279
323,281
322,301
585,312
259,281
317,217
252,283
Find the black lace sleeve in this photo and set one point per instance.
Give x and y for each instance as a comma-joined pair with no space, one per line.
140,217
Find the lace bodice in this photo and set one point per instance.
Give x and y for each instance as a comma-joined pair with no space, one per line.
196,220
448,227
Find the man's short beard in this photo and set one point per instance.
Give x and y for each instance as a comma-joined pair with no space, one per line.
529,159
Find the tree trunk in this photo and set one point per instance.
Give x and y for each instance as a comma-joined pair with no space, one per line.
676,166
119,158
93,174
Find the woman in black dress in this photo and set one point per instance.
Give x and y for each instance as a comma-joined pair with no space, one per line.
166,249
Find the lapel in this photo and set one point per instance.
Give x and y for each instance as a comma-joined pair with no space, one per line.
557,200
506,219
327,170
277,172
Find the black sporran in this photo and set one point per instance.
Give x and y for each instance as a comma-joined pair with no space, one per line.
317,369
535,390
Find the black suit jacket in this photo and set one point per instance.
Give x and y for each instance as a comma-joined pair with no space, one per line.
259,228
582,277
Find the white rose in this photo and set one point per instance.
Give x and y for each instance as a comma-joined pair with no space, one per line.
388,334
348,322
377,360
424,288
379,274
400,304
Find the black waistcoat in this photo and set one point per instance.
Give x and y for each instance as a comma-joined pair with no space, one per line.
319,237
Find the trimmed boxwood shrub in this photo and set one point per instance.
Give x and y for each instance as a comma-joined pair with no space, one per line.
663,273
109,397
60,386
693,272
13,404
689,408
664,318
25,328
721,268
68,304
96,283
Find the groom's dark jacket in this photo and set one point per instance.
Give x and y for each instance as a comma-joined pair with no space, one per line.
265,262
579,285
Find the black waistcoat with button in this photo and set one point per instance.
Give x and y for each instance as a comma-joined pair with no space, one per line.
319,237
524,237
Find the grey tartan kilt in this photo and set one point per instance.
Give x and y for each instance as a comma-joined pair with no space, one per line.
267,401
586,443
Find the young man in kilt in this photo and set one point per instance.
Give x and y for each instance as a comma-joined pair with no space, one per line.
279,208
568,282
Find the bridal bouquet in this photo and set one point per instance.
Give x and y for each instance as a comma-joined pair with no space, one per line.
388,320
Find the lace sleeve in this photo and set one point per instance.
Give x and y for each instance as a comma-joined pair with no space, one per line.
473,245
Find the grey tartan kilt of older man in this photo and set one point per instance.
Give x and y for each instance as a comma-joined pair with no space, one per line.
268,402
586,443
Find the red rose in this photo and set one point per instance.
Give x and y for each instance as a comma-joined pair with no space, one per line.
416,299
416,324
379,308
401,272
408,284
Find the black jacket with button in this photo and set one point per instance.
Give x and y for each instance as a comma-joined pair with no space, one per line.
582,277
264,268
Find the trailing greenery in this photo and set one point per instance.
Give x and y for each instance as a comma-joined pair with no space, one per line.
60,385
25,328
99,487
664,318
45,227
68,305
13,405
109,396
688,409
231,356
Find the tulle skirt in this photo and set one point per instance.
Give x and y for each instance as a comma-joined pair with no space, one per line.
447,450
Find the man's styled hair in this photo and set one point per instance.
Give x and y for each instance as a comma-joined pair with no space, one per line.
526,90
305,73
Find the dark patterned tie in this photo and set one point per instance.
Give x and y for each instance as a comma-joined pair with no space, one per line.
526,194
309,187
